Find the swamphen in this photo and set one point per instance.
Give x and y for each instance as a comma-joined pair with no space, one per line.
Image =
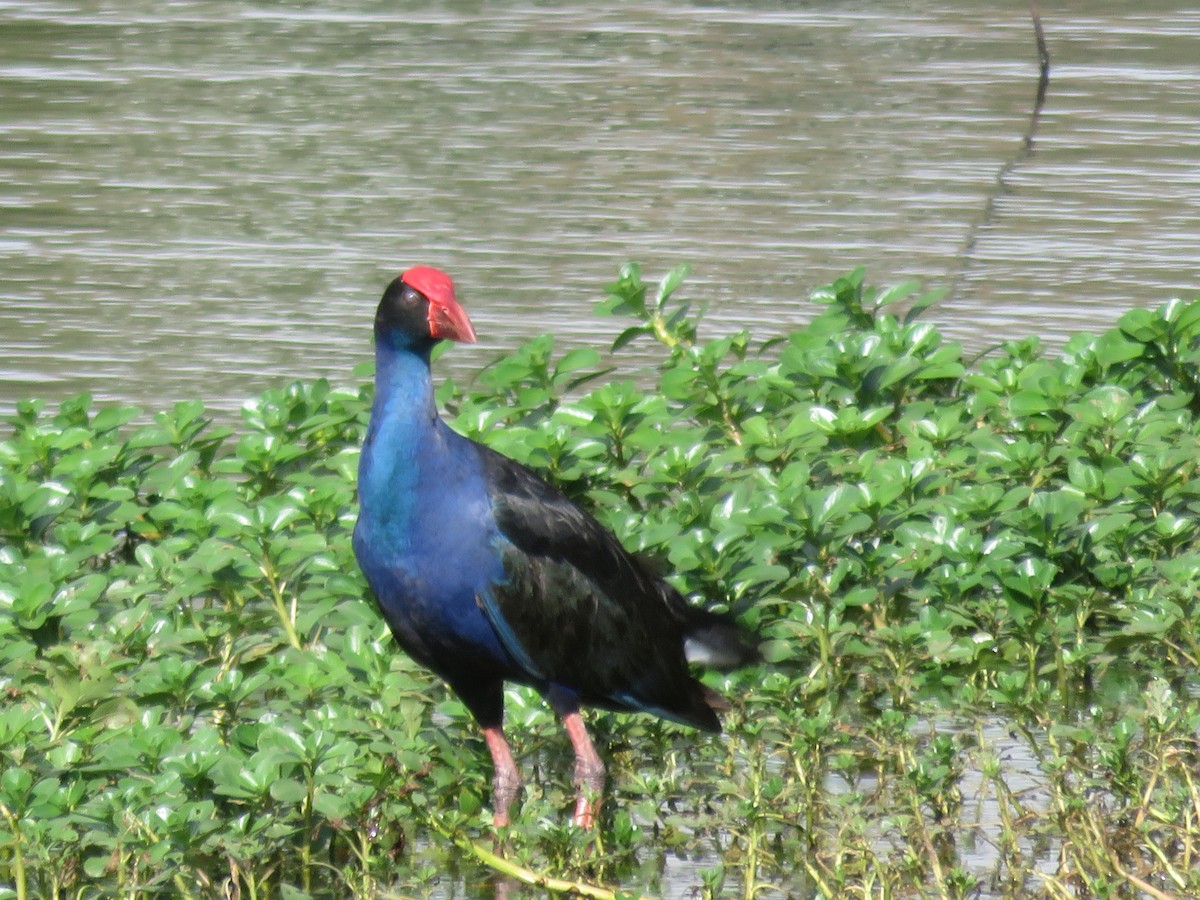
487,574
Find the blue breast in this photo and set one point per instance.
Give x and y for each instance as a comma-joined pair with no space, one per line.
428,543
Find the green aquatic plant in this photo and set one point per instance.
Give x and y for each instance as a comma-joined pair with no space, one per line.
951,564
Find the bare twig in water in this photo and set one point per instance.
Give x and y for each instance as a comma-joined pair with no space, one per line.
1043,52
1027,144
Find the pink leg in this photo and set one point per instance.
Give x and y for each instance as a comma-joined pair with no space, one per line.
589,771
506,779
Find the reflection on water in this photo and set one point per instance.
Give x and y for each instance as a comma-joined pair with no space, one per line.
202,200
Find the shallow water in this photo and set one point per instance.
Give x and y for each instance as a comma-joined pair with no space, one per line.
204,200
976,848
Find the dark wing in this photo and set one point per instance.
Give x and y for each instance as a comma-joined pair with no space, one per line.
578,610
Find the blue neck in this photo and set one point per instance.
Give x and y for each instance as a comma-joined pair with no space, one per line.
403,419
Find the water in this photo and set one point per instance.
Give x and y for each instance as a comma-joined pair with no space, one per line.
204,200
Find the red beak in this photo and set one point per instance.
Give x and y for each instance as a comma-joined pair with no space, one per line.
447,320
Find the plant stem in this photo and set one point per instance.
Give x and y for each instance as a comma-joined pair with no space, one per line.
528,876
18,856
659,324
280,604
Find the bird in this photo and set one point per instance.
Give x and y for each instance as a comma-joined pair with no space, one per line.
487,574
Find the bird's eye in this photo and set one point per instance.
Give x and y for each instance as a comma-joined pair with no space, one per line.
403,308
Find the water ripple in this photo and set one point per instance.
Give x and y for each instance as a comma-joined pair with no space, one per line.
203,202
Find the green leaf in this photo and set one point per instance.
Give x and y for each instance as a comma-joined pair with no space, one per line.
629,334
1184,317
1113,348
1142,325
1030,403
670,283
113,417
288,790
